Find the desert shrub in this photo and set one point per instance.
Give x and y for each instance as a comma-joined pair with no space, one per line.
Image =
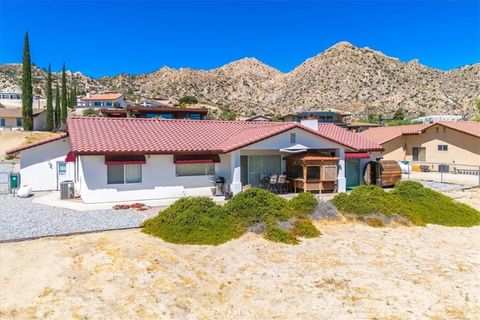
410,200
258,205
364,200
434,207
276,234
91,112
305,228
375,220
258,227
188,100
303,204
324,210
196,220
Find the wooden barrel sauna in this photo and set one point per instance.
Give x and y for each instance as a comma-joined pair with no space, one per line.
384,173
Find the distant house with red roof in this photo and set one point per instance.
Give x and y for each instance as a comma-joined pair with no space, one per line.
444,142
103,100
127,159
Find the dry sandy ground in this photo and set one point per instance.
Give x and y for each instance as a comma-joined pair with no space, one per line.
351,272
11,139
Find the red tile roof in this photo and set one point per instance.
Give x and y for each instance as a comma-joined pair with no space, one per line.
36,143
91,135
384,134
103,96
347,138
127,135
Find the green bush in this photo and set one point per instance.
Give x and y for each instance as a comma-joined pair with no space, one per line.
91,113
196,220
276,234
305,228
304,203
411,200
258,205
188,100
434,207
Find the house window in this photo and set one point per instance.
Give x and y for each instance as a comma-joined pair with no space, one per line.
330,119
195,169
124,173
97,103
19,122
442,147
109,103
194,116
419,154
293,137
2,123
62,168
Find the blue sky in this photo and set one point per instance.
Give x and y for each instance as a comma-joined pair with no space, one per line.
109,37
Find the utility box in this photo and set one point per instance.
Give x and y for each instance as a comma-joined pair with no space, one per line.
14,179
66,190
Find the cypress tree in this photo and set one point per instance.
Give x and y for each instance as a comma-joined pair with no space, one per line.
57,107
69,97
50,116
27,91
63,110
73,103
75,96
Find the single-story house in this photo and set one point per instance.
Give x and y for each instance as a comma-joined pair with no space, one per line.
127,159
11,119
446,142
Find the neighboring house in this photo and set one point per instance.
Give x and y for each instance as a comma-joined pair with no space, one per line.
12,98
122,159
441,142
11,119
432,119
337,118
103,100
141,111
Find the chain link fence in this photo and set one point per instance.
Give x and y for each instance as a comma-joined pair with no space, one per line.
448,173
5,168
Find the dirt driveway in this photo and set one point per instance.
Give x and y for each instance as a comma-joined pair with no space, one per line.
351,272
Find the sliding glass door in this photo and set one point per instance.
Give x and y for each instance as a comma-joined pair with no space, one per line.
259,166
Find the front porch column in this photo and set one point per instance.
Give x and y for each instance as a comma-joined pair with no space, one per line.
236,174
341,180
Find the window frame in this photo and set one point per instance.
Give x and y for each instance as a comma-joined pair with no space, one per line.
206,170
442,147
293,137
124,167
419,151
17,120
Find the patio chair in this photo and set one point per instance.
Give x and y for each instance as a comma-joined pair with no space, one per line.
272,184
264,181
282,184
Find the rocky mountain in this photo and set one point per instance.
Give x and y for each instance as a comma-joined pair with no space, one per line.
344,77
11,77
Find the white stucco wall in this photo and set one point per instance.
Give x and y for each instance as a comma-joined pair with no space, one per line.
303,137
38,165
158,181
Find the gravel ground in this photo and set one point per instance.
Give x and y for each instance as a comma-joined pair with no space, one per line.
20,218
